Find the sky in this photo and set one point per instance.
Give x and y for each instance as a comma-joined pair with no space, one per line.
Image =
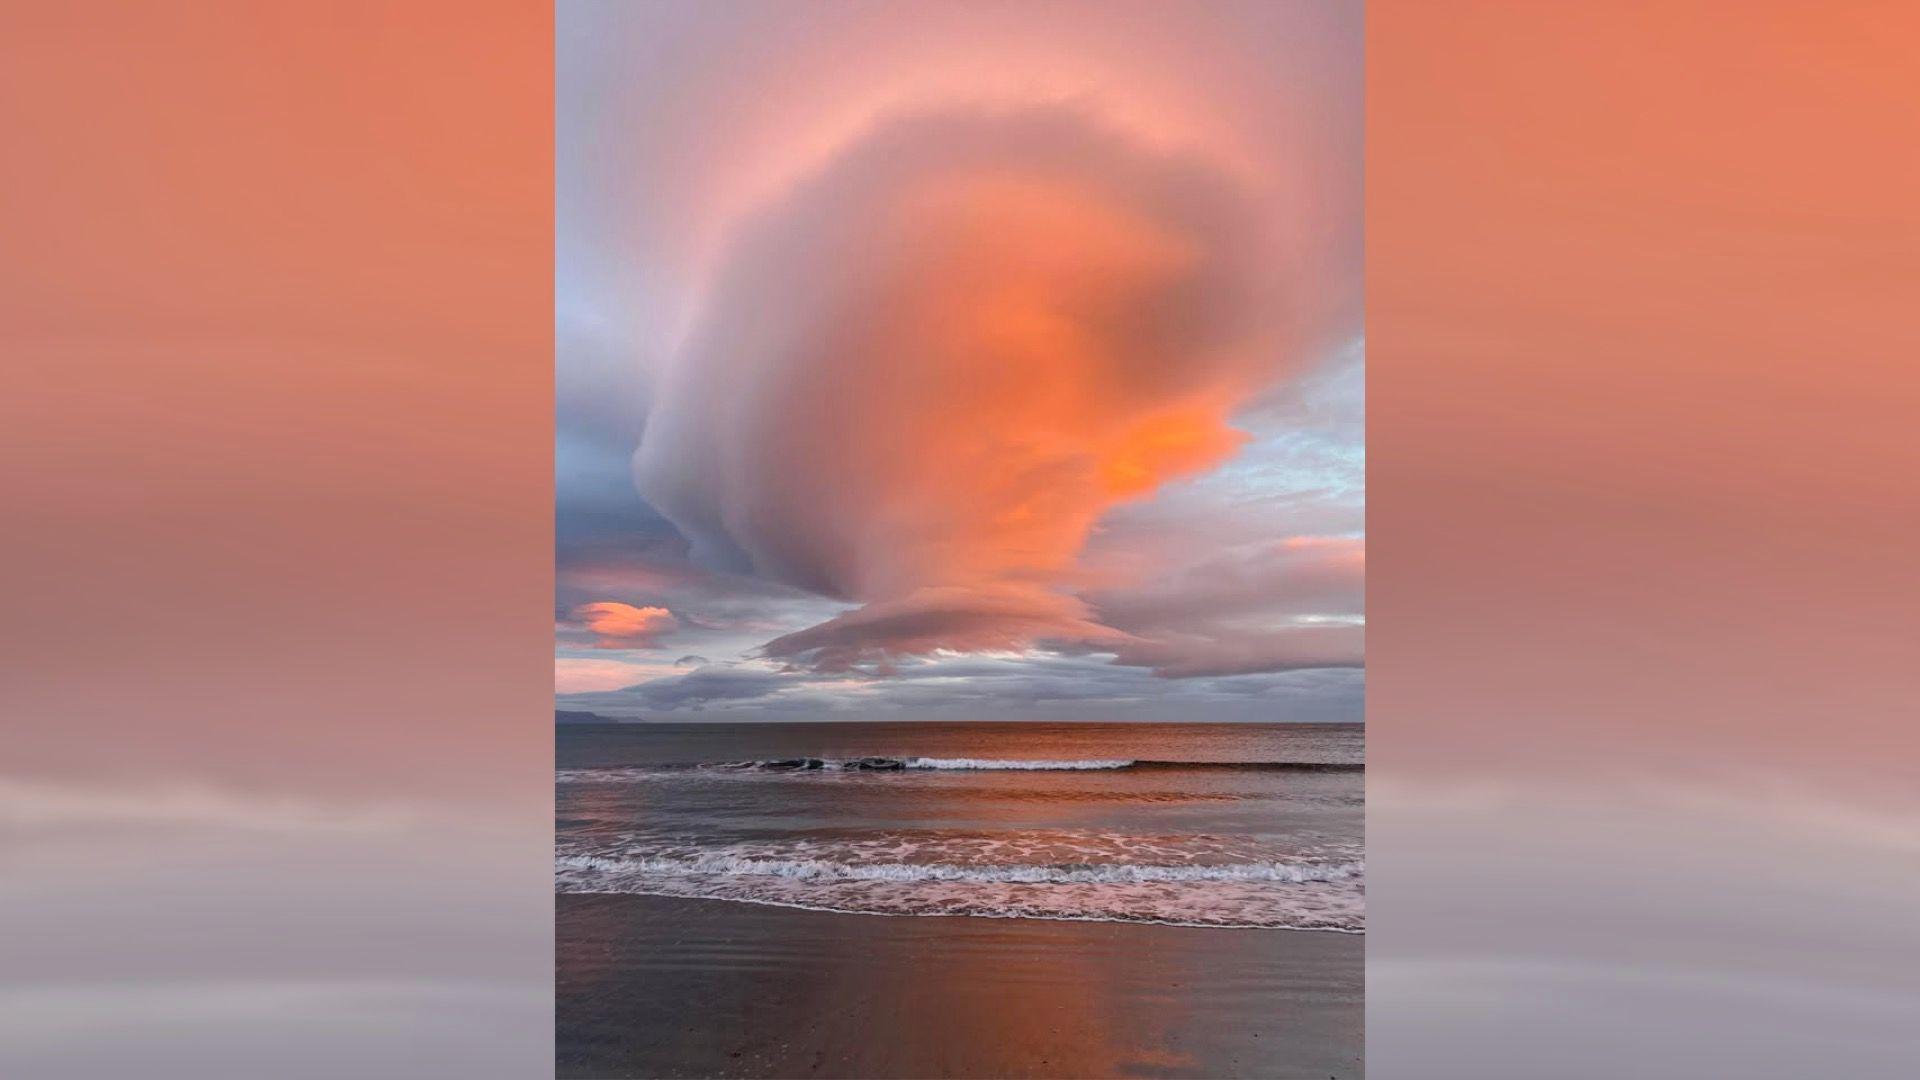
978,361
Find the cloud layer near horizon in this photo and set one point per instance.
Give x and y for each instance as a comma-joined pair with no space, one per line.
981,686
927,372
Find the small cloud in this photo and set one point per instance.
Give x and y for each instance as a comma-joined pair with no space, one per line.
623,626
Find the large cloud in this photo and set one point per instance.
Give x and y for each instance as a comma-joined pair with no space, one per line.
926,372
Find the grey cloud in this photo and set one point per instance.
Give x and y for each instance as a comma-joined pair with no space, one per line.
702,685
1037,686
1184,656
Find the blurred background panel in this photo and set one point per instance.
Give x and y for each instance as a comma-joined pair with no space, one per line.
1645,780
275,313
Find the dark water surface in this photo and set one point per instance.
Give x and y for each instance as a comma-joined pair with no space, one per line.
1192,824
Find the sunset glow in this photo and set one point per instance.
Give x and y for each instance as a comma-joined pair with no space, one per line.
927,359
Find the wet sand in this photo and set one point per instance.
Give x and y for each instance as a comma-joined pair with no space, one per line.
660,987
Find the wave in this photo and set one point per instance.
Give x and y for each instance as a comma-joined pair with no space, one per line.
1026,874
898,764
987,763
816,766
873,879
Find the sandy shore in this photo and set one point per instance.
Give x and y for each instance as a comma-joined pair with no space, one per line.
657,987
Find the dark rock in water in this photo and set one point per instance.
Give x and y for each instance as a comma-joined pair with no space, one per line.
794,763
873,763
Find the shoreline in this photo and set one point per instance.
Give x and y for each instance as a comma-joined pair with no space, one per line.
791,906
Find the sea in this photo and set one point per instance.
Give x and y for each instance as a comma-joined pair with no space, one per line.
1206,825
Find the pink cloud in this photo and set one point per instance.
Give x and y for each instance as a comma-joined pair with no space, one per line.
928,371
1230,651
623,626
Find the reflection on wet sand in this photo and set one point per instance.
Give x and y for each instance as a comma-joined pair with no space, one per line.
668,987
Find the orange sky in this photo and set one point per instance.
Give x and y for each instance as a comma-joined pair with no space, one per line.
964,290
1642,780
276,302
1647,387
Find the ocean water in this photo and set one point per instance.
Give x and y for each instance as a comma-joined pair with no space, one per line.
1241,825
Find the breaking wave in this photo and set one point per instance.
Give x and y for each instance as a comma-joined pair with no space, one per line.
1031,874
910,764
986,763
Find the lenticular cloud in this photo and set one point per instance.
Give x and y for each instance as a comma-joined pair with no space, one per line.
926,371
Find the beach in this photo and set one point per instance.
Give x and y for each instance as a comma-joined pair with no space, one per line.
668,987
936,899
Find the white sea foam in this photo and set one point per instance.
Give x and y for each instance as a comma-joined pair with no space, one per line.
1031,874
1193,881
